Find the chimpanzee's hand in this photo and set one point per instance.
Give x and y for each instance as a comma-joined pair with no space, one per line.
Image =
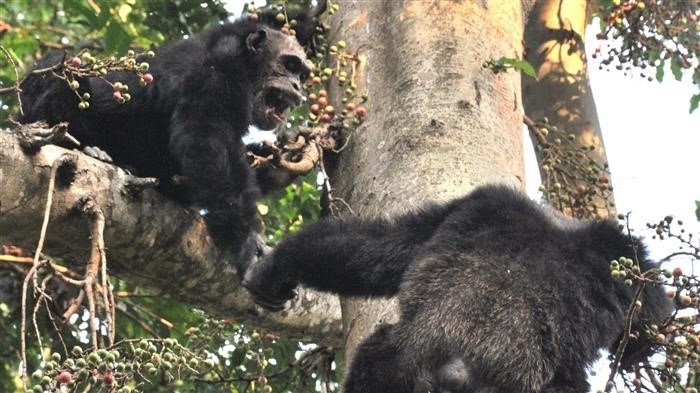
269,285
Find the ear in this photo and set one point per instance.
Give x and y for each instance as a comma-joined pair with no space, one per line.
256,41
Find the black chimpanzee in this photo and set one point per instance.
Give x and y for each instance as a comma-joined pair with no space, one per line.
207,90
498,294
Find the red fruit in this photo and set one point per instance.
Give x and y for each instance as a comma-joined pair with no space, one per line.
285,30
117,96
75,62
329,109
269,337
148,78
316,80
323,101
312,97
326,118
64,377
314,108
254,17
677,272
361,112
323,93
108,378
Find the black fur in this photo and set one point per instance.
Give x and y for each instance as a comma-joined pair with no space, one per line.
497,293
207,90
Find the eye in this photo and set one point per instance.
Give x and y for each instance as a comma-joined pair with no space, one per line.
292,64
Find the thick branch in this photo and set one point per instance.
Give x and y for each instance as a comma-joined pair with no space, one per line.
150,241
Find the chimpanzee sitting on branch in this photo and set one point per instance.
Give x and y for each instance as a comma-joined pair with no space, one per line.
206,91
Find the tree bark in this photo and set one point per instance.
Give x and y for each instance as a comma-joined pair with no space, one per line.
554,45
439,124
150,241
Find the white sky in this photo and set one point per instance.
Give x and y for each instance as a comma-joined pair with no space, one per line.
653,147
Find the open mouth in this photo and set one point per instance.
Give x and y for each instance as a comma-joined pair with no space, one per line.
278,102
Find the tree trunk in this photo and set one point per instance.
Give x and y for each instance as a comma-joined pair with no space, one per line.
554,45
438,125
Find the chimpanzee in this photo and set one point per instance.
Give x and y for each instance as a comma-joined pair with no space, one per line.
207,91
497,293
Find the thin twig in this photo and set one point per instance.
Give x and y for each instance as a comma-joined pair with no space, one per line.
615,366
97,261
74,305
532,127
14,259
31,275
16,87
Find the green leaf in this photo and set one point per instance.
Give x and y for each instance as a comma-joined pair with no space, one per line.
676,69
697,210
116,39
603,24
80,9
660,72
694,102
653,55
517,64
237,356
525,67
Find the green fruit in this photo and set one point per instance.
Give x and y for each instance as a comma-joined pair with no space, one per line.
94,357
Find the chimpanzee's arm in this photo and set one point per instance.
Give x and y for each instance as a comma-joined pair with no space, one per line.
207,145
349,257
